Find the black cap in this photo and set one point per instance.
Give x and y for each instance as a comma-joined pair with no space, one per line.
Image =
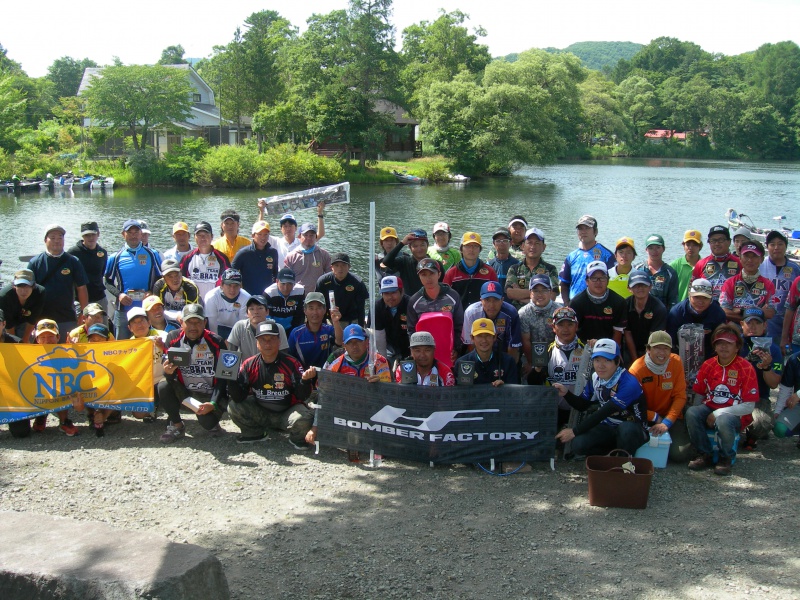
340,257
268,328
232,276
257,299
428,264
286,275
229,214
203,226
90,227
775,234
501,233
719,229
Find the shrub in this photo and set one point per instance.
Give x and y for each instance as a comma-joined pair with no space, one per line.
146,167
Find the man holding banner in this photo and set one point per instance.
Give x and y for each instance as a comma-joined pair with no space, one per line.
485,363
425,369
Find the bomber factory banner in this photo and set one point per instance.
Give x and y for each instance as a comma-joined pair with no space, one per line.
36,380
471,423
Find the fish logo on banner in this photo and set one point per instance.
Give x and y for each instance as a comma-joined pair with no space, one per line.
63,372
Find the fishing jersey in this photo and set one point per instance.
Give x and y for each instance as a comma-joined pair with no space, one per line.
573,272
562,367
446,301
506,324
223,312
666,394
223,245
792,303
59,276
131,269
448,257
259,268
727,386
652,318
440,375
468,285
781,278
501,267
537,322
343,364
736,293
665,283
519,277
499,367
599,319
717,270
312,348
308,265
276,386
175,254
621,402
199,376
350,295
205,270
790,381
174,302
618,282
286,310
776,364
394,321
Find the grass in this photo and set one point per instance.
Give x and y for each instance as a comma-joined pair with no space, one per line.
433,168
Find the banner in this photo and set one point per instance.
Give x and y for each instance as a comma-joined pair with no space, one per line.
332,194
472,423
39,379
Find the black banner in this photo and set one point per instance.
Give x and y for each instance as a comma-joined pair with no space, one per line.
448,425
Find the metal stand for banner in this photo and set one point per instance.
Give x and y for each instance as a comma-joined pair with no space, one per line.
316,447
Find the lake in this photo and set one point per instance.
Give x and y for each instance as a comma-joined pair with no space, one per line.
628,197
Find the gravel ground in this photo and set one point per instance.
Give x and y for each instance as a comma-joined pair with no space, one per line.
287,524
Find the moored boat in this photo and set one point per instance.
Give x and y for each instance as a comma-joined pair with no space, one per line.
738,220
102,183
406,178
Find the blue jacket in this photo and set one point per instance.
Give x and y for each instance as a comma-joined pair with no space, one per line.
259,268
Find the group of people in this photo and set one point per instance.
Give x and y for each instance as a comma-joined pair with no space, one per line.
291,308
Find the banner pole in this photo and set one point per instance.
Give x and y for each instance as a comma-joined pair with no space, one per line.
371,266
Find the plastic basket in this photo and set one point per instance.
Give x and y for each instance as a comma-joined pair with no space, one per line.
609,486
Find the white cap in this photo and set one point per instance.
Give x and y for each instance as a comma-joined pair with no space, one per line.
596,265
441,226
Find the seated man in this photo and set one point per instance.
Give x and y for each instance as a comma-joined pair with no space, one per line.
429,371
226,304
197,380
536,318
174,290
489,366
243,334
391,321
270,393
156,315
93,314
140,327
22,301
504,316
660,373
312,342
285,300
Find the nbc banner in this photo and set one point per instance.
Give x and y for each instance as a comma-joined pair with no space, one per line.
39,379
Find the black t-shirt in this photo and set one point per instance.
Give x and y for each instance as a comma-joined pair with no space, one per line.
94,263
653,318
598,320
395,325
17,314
350,294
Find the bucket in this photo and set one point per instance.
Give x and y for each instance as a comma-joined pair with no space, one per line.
611,487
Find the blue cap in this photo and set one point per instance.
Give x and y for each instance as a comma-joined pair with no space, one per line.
98,329
606,348
636,277
288,218
753,313
306,227
353,332
131,223
540,280
491,289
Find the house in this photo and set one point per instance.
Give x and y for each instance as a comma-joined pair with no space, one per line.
661,136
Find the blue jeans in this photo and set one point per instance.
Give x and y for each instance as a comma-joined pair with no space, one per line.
727,426
604,438
121,331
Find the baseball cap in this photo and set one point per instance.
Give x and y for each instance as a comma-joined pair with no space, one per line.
659,338
314,297
260,226
441,226
306,227
353,332
501,233
719,229
169,265
150,302
92,309
144,228
565,313
654,240
518,219
98,329
90,227
24,277
232,276
753,313
753,248
726,335
744,232
341,257
540,280
180,226
203,226
775,234
701,287
130,223
136,311
637,277
606,348
596,265
421,338
229,214
286,275
288,218
257,299
418,234
625,241
587,220
267,328
193,311
483,326
428,264
692,235
491,289
46,325
54,227
470,237
388,232
534,231
391,284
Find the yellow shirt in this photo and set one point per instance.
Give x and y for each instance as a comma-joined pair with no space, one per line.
229,250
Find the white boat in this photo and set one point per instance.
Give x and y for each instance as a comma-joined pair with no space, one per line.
102,183
738,220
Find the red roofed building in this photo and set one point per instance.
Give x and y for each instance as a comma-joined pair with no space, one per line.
660,136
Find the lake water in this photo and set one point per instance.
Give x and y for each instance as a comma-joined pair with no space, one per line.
628,197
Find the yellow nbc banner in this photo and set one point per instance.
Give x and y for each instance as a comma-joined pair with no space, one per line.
39,379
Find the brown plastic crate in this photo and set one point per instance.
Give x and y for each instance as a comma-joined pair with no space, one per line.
609,486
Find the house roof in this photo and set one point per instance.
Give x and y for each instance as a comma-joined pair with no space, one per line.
401,115
665,134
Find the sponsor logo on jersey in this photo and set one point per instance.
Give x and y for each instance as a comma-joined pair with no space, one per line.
100,253
648,315
483,271
65,271
447,308
349,288
608,310
666,385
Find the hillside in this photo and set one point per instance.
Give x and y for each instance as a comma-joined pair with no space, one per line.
595,55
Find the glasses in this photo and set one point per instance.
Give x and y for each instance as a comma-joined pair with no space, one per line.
502,241
598,279
718,240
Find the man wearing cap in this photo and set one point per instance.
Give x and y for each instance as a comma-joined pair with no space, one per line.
174,290
156,315
270,393
355,359
289,239
504,317
502,261
748,287
661,375
684,265
230,242
243,334
740,237
781,273
204,265
490,366
468,275
388,239
624,253
312,342
517,287
700,307
63,278
517,231
573,272
429,370
391,321
130,275
405,265
536,319
140,327
663,277
182,247
22,302
441,249
435,297
645,314
349,292
601,312
146,240
729,390
720,264
196,380
285,300
308,261
226,304
258,262
93,258
93,314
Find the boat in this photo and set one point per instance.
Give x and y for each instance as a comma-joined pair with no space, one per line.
406,178
738,220
21,186
102,183
457,179
83,183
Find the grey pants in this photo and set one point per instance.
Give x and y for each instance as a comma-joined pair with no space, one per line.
253,419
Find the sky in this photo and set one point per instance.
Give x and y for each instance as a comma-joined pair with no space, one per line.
137,31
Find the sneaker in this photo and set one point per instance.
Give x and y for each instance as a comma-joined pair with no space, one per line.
704,461
39,423
68,428
114,418
172,434
723,467
301,445
251,439
215,431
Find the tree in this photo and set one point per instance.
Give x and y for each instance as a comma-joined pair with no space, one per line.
139,98
12,111
601,109
638,100
666,56
172,55
66,74
265,39
775,71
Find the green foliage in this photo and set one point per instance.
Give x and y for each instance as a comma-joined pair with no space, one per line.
12,112
434,171
599,55
146,167
182,163
172,55
66,73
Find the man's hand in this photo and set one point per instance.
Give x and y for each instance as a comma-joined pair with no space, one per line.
336,315
309,373
205,408
658,429
565,436
792,401
561,388
498,383
169,368
320,208
311,436
124,299
711,420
